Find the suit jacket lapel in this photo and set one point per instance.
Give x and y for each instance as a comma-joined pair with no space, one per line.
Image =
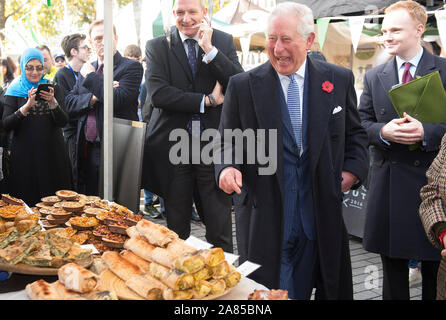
319,106
179,53
389,75
266,98
426,65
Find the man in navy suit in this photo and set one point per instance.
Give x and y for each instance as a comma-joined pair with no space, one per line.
85,104
393,228
290,222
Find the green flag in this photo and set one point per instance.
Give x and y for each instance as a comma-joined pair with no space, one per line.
48,3
157,26
33,35
322,26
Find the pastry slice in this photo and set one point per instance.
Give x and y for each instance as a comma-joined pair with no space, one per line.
15,253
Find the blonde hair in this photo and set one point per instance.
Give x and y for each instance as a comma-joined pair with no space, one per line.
414,9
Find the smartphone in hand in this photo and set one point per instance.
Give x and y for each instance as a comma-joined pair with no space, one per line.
43,87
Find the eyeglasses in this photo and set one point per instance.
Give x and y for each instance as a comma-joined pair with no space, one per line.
85,47
60,60
32,68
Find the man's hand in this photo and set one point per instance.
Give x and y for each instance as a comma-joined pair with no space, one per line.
406,130
348,180
93,100
230,180
86,69
217,93
205,36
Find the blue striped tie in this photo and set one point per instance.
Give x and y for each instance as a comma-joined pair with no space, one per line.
293,103
192,58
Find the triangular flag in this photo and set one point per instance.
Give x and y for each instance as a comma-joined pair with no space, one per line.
322,26
356,24
157,26
440,15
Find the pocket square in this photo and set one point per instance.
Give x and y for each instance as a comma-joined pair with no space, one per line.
337,109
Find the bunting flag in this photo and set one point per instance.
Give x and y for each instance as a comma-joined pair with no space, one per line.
440,15
356,24
322,26
33,35
48,3
157,26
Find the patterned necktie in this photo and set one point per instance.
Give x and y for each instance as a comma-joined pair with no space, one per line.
293,103
191,55
91,130
192,58
406,73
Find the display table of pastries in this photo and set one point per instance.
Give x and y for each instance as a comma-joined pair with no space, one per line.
137,259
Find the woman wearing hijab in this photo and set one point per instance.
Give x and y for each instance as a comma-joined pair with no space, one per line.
39,160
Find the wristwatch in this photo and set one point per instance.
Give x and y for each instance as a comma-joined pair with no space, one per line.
212,100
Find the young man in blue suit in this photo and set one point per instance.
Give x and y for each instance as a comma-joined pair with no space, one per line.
393,228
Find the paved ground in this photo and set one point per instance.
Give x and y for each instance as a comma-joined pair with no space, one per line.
366,266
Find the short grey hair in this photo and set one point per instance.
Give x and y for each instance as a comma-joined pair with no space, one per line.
305,24
202,3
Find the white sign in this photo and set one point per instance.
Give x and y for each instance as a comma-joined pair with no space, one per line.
198,244
247,267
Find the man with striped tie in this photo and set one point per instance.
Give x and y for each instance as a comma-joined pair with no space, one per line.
393,228
290,222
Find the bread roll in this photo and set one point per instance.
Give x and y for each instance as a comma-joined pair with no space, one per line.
41,290
123,268
77,278
146,286
139,246
155,233
144,265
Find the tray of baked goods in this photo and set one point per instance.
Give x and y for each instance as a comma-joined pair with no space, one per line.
155,264
105,221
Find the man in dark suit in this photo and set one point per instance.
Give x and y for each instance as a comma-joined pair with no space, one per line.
392,227
290,221
85,103
186,75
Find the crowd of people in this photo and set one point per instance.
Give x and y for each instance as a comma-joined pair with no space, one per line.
290,222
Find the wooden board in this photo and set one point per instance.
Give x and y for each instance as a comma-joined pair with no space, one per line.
22,268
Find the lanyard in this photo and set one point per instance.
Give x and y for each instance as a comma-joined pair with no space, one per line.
74,73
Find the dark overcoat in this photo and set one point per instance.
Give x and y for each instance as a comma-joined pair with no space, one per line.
392,226
336,142
174,94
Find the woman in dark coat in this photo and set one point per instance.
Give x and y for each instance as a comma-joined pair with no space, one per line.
39,160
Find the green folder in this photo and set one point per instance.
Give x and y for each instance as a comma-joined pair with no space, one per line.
423,98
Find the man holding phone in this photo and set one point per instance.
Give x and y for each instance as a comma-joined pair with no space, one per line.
187,73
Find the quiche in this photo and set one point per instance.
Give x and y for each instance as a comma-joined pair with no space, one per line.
40,257
59,246
15,252
67,194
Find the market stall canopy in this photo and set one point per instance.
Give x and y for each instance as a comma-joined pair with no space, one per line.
323,8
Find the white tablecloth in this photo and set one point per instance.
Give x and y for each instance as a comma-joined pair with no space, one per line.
240,292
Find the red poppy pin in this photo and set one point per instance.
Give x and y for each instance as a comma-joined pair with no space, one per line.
327,86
